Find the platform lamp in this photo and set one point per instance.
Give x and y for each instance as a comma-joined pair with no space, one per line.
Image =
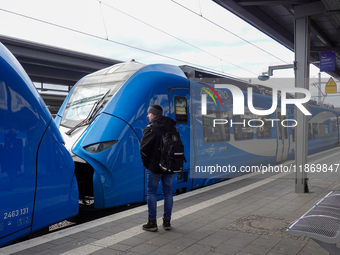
266,75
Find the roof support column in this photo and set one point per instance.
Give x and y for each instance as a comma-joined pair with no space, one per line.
302,53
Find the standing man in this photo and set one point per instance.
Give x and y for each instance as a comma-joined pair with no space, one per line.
151,156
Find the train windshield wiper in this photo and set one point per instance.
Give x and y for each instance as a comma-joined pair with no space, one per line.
91,116
84,100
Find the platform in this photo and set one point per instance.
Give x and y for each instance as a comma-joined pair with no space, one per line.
244,215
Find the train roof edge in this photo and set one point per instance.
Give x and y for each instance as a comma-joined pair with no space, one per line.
198,74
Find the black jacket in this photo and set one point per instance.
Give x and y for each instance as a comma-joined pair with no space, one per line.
150,143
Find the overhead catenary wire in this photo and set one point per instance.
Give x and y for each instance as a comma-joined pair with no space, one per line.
144,50
112,41
101,38
214,23
101,12
177,38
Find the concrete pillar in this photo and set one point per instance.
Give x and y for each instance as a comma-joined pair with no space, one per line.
302,53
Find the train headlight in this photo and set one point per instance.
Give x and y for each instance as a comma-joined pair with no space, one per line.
98,147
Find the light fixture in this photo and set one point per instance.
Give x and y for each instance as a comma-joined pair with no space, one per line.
99,147
263,77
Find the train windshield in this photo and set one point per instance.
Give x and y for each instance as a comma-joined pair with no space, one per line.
93,92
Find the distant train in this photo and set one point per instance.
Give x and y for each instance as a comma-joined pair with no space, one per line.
37,182
101,123
103,118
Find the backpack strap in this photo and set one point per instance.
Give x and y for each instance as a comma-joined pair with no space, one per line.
158,133
155,130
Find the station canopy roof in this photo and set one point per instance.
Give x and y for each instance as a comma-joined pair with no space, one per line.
276,19
50,64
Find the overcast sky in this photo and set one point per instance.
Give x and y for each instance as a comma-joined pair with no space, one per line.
193,32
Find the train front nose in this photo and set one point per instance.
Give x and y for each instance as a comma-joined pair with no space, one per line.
109,169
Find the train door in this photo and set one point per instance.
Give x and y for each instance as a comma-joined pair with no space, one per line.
179,100
282,138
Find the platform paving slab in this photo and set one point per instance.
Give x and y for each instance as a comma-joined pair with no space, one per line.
221,219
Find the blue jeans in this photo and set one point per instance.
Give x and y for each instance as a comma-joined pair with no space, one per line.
153,181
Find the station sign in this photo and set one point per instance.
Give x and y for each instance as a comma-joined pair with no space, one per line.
331,86
327,61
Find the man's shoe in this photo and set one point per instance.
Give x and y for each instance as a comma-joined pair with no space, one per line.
151,226
166,224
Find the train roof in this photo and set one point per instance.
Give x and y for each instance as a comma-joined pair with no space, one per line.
192,73
197,74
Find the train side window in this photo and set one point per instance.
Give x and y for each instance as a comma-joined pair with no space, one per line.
181,110
279,127
309,131
315,130
334,126
285,132
242,130
219,133
327,134
321,130
265,130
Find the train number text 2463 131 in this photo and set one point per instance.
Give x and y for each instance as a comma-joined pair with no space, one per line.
16,213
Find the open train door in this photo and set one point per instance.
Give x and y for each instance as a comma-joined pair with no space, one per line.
282,138
179,109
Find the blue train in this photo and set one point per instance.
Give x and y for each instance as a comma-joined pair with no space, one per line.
37,181
103,118
101,124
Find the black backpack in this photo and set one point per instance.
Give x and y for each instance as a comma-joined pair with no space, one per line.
172,151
